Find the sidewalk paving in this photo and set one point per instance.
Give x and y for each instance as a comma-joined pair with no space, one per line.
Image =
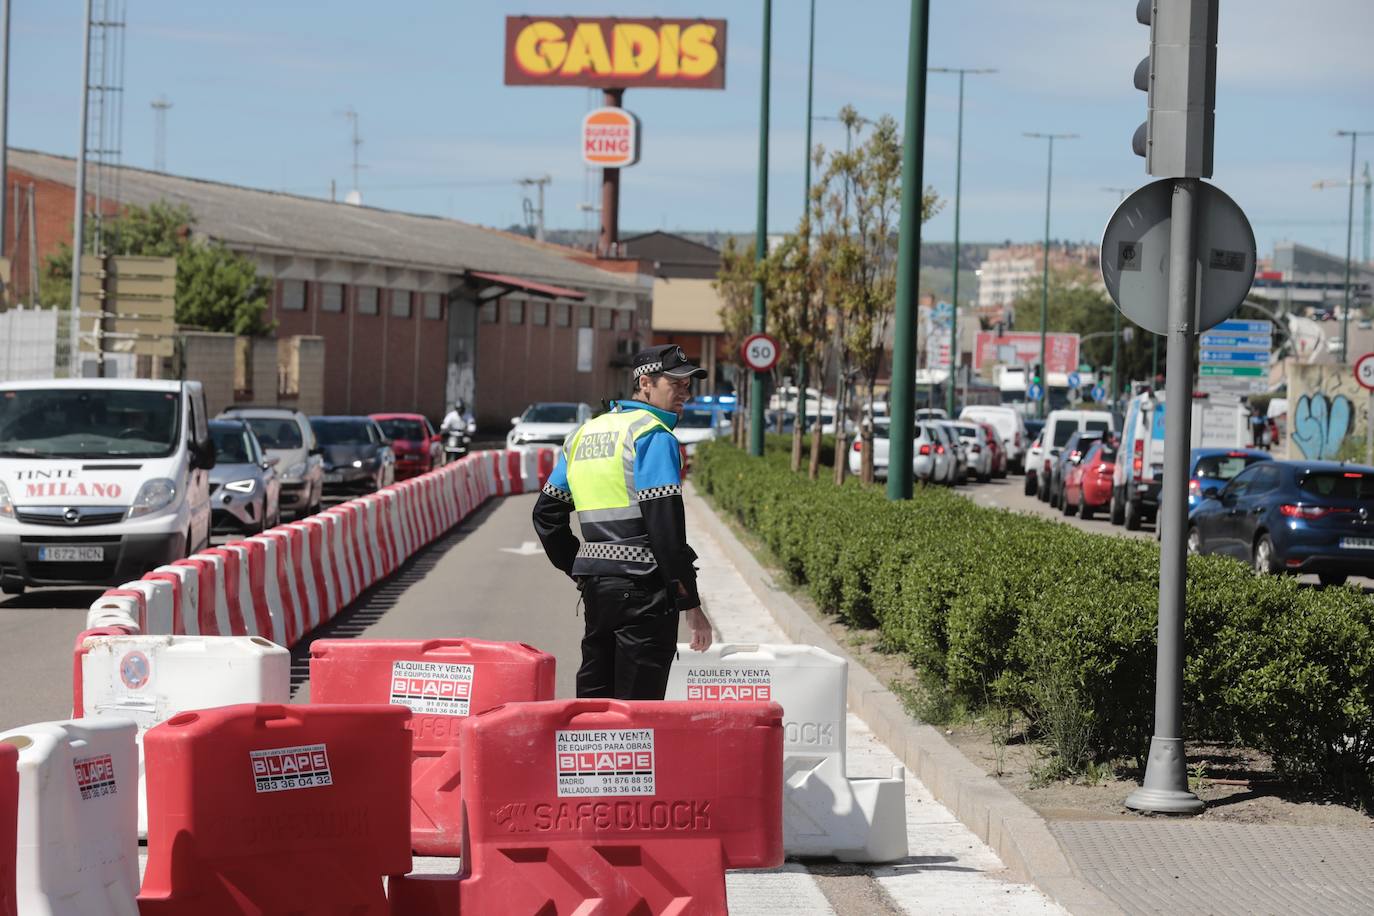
1146,865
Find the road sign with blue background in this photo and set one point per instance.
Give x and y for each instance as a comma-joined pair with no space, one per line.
1034,392
1234,357
1099,393
1075,379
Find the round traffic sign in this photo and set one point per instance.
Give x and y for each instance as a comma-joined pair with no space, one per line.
1099,393
1075,379
760,352
1034,391
1135,256
1364,371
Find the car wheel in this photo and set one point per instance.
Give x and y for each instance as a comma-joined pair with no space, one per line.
1194,541
1030,484
1085,511
1118,514
1130,516
1332,579
12,585
1055,497
1064,506
1264,560
262,517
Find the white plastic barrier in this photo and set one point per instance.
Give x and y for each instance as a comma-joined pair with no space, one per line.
78,839
149,679
825,813
114,609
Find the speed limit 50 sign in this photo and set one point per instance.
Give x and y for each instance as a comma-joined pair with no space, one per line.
1364,371
760,352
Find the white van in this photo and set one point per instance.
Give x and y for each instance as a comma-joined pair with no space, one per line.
1218,422
101,480
1060,426
1010,426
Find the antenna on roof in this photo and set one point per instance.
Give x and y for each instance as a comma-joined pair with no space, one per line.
160,106
355,196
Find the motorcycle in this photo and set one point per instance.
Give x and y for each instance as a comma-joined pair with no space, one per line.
458,442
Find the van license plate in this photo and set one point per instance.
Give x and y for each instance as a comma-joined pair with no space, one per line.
71,554
1357,543
333,478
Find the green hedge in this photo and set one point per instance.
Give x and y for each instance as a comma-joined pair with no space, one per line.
1001,608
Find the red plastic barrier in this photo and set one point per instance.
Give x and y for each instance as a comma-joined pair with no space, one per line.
547,459
515,471
254,557
441,681
204,610
138,596
178,609
9,828
235,602
276,809
78,700
610,807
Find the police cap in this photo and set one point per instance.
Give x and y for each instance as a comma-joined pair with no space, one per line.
667,359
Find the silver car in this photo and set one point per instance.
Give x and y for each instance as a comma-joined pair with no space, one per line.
285,434
245,492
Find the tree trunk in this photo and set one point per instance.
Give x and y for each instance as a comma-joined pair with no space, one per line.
797,427
814,471
841,458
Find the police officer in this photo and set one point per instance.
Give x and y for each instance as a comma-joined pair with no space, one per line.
622,473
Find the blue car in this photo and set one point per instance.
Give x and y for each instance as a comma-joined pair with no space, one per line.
1217,466
1291,516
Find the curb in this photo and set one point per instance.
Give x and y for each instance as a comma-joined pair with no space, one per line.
1019,836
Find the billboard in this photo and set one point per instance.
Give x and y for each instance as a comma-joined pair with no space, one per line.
610,138
615,53
1061,350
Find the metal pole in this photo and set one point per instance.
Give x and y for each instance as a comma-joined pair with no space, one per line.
806,205
1045,289
4,120
1165,789
79,221
1349,237
902,416
761,239
1369,431
610,192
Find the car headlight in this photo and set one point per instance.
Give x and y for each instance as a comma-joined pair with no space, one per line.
242,486
6,507
154,495
357,462
296,470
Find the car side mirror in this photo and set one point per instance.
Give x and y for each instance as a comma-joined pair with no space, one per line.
1227,497
1210,492
203,454
514,420
270,461
317,450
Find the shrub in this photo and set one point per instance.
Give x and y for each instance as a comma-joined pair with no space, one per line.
992,607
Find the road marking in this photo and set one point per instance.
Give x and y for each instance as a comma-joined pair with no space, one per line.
526,549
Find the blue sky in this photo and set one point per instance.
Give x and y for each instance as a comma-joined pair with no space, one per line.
257,88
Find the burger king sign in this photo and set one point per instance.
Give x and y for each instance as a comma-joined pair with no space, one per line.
610,138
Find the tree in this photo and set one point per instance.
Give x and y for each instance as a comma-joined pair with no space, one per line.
217,289
791,306
1079,304
735,285
856,212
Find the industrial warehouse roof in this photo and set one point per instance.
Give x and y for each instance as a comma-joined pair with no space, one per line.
273,222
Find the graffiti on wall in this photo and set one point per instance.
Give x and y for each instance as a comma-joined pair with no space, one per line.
1322,410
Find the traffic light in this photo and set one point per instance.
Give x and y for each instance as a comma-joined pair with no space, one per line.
1180,75
1035,374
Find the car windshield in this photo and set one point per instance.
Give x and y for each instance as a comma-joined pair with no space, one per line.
694,419
1223,467
1097,426
231,444
970,431
550,413
1063,432
402,429
276,433
1338,485
882,429
88,423
340,432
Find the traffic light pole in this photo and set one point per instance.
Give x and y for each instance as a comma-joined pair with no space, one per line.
761,241
1045,270
903,417
1165,788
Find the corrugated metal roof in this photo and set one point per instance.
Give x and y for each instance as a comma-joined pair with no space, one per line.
268,221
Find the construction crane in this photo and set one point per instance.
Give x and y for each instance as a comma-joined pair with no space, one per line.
1368,184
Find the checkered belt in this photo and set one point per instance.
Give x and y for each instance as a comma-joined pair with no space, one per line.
625,553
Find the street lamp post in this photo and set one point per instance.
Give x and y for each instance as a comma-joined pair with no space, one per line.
954,353
902,414
806,202
1045,270
1354,135
761,240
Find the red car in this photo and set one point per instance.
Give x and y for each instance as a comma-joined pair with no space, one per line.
1088,483
999,451
418,448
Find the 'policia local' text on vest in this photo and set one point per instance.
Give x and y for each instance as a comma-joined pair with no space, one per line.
601,471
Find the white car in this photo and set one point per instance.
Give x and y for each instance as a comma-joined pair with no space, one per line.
547,424
1010,425
962,456
1034,453
931,458
1060,426
975,440
696,426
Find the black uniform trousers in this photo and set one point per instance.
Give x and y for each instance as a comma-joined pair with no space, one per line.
630,639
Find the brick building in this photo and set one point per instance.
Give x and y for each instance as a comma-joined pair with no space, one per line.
413,310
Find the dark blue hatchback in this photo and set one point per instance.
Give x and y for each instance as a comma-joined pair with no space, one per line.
1291,516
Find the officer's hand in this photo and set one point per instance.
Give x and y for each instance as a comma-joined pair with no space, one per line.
701,629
